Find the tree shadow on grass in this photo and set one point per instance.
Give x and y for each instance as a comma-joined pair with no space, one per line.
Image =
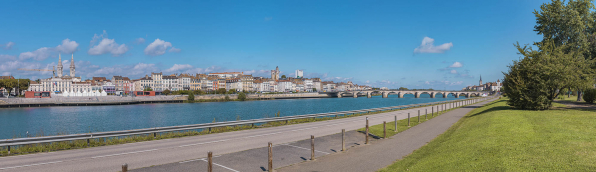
496,108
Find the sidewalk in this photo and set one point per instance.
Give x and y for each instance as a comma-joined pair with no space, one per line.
383,153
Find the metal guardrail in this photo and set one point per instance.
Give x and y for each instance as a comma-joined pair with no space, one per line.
86,136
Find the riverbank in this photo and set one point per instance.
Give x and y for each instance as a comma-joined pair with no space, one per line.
498,138
117,100
66,145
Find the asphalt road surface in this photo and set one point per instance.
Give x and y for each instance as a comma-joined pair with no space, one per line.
158,152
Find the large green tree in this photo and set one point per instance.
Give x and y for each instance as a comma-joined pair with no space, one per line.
570,26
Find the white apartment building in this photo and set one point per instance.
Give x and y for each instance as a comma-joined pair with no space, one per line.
157,81
284,85
184,82
299,74
171,83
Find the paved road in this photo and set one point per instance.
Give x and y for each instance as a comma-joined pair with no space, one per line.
150,153
384,153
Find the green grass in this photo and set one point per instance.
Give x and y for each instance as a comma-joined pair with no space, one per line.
498,138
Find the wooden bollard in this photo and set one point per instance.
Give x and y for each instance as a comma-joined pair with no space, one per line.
312,147
384,129
432,112
395,124
426,114
88,142
124,167
8,150
343,139
270,166
210,161
366,141
418,116
408,119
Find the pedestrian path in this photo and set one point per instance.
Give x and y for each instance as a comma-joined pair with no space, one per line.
383,153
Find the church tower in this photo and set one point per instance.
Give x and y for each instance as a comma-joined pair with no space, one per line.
59,66
72,67
480,80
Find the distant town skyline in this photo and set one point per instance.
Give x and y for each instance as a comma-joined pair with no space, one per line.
382,44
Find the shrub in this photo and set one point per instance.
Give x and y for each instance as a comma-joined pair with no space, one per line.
242,96
191,97
590,95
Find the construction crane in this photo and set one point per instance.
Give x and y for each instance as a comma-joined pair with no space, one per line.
41,70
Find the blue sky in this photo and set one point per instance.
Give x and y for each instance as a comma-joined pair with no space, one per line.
377,43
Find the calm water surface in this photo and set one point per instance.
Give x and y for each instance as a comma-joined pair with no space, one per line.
16,122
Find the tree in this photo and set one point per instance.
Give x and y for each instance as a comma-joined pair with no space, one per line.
402,88
283,76
148,89
570,25
535,81
166,92
242,96
198,92
314,89
9,84
191,97
221,91
232,91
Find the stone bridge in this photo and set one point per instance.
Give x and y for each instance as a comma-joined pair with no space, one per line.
401,93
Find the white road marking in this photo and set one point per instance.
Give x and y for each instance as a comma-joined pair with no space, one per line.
222,166
304,148
103,156
30,165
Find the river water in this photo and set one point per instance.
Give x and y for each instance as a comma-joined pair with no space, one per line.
17,122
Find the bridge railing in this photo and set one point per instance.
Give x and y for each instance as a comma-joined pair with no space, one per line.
96,135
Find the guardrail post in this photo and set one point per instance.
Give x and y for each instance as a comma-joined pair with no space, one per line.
395,124
312,147
154,135
366,141
124,167
270,165
343,139
418,116
209,130
9,150
432,112
426,114
210,161
384,129
408,119
87,142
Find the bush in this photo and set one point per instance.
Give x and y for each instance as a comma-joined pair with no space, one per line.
227,98
191,97
242,96
590,95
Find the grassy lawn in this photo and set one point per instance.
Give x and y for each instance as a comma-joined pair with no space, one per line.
497,138
402,125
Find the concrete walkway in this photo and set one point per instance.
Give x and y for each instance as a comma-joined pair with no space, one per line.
383,153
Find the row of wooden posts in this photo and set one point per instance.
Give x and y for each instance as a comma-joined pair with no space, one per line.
343,134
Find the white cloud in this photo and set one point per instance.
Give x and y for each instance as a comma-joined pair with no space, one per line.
453,72
8,45
105,45
4,57
178,67
428,47
108,46
157,47
456,65
67,46
140,41
39,54
174,50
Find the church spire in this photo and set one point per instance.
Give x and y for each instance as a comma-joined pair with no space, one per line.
72,66
480,80
59,68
